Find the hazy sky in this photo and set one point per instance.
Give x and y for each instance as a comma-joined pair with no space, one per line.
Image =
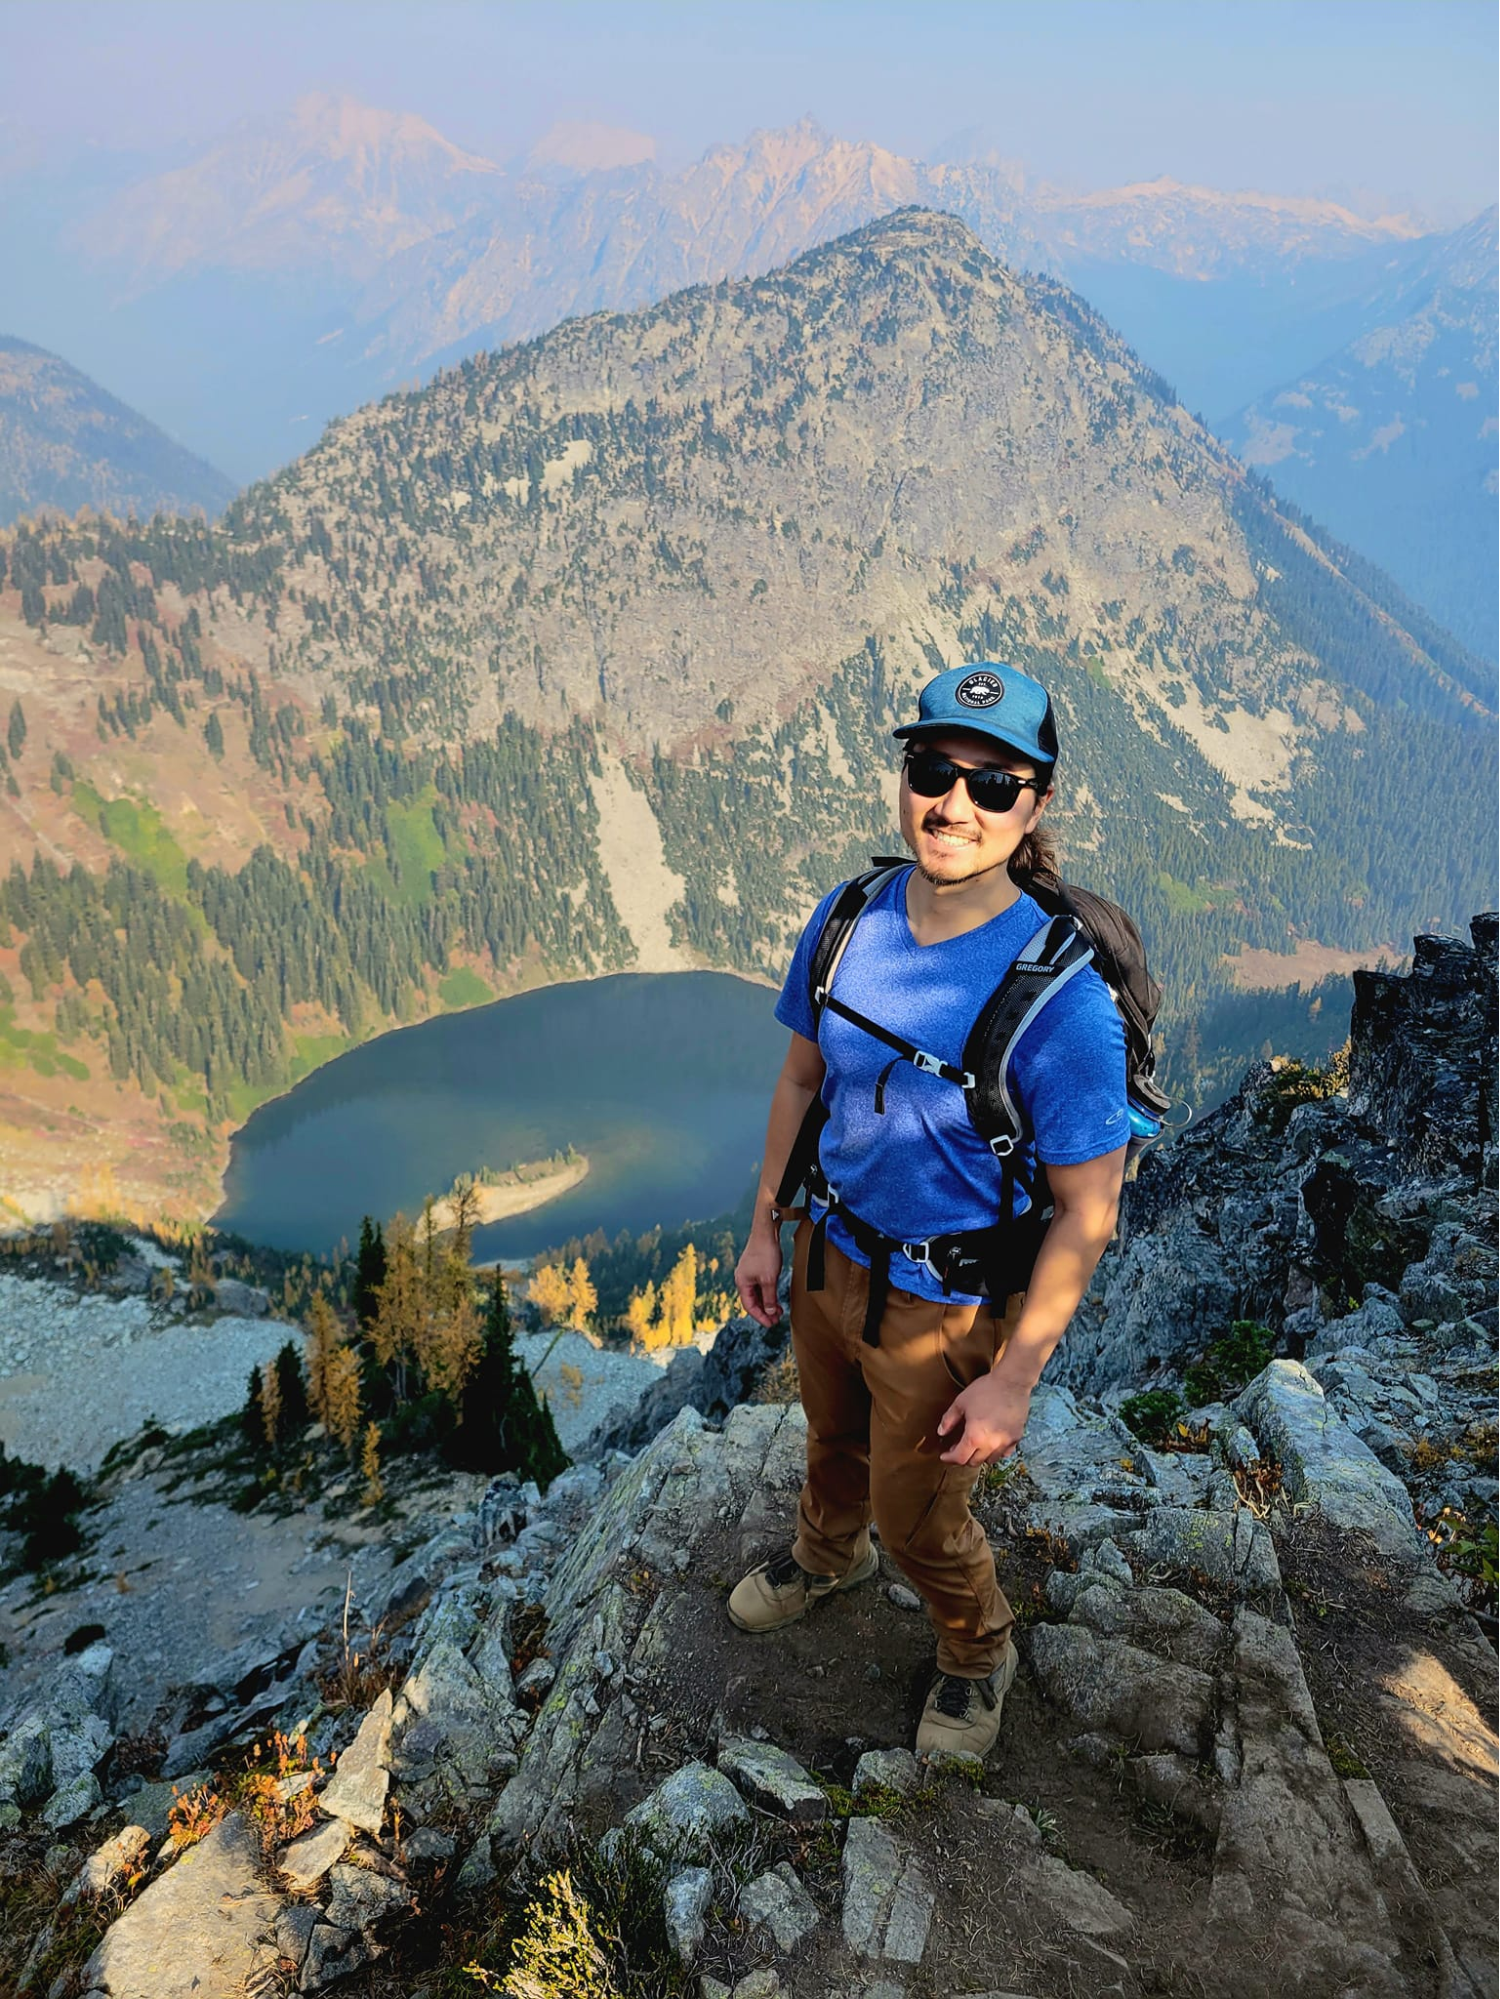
1395,96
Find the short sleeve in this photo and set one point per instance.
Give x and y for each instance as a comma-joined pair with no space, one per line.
1070,1074
794,1009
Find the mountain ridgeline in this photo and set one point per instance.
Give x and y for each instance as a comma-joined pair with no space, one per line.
628,613
66,444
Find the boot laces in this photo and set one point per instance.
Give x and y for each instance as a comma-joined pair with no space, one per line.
783,1569
954,1696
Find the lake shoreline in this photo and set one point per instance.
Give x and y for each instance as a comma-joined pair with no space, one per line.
503,1199
225,1136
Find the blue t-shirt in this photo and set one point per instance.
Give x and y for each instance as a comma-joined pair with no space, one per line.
920,1169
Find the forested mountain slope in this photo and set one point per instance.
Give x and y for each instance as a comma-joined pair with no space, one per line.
600,639
65,443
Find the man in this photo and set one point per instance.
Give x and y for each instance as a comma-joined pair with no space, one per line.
910,1389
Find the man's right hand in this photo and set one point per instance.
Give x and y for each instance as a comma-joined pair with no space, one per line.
757,1275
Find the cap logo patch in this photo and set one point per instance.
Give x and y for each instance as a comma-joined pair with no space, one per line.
980,690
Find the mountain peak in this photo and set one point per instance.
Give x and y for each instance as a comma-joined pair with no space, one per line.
579,146
341,127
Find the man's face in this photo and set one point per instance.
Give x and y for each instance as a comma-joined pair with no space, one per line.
951,839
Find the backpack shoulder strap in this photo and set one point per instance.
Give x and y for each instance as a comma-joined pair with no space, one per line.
849,906
1056,954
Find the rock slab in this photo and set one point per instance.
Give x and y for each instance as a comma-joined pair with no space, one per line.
356,1791
198,1932
888,1903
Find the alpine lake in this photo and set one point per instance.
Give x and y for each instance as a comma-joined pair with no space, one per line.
660,1081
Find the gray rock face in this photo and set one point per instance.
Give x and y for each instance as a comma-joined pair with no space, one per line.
332,1954
246,1301
770,1777
72,1801
778,1905
1233,1548
1163,1621
1114,1687
197,1932
1287,1852
888,1903
357,1789
1326,1465
1071,1897
361,1899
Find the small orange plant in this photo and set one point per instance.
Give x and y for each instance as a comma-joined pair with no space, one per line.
194,1815
278,1809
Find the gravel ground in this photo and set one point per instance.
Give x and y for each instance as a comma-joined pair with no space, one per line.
597,1382
80,1371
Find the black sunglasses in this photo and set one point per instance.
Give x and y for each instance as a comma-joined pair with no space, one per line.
932,775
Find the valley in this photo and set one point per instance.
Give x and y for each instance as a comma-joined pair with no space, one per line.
347,759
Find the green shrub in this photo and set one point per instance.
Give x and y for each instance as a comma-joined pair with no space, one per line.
1231,1362
1153,1415
43,1508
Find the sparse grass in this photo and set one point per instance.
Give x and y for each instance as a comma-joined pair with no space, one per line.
463,987
138,830
778,1382
1344,1758
1259,1484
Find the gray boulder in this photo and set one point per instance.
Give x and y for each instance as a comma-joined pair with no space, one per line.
771,1778
688,1812
777,1905
356,1791
1325,1465
1107,1685
685,1903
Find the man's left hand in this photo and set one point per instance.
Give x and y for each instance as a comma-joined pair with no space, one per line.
985,1422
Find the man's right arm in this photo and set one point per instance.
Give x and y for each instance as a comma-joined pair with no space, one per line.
758,1271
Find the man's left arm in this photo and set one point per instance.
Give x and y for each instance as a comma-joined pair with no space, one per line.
986,1420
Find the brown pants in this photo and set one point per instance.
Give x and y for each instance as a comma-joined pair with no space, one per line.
873,1447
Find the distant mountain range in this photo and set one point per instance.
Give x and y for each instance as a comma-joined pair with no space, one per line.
302,266
586,655
1391,441
66,444
311,262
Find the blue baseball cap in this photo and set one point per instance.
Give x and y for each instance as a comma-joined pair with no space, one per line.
989,699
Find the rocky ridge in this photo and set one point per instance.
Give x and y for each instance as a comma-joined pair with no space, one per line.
1253,1730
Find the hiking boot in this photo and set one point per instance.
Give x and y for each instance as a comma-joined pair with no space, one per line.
962,1717
780,1591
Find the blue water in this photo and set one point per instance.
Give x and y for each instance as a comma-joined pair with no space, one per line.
662,1081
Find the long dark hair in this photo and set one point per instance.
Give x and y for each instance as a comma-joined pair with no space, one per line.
1037,855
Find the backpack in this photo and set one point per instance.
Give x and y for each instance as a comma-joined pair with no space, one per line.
1081,928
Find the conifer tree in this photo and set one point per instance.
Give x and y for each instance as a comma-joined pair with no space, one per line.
679,1296
583,1299
551,1293
502,1425
369,1272
292,1390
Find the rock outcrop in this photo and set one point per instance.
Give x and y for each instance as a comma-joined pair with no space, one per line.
1251,1746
